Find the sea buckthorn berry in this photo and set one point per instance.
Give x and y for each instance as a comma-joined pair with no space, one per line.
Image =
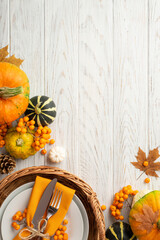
118,212
37,148
32,122
121,194
147,180
60,227
47,141
31,127
120,205
125,189
49,130
58,232
25,210
37,143
115,203
103,207
117,217
60,237
2,142
5,130
19,213
40,127
20,218
18,129
43,151
121,199
117,198
42,140
26,119
52,141
125,196
15,217
24,130
38,131
20,124
129,187
17,227
24,215
55,237
113,213
45,136
65,236
44,130
14,224
33,144
64,228
121,218
113,208
145,163
48,136
41,145
65,222
134,193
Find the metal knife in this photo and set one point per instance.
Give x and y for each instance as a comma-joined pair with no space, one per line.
43,203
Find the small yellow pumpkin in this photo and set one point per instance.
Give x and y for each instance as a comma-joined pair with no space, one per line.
19,145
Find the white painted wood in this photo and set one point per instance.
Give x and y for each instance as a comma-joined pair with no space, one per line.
130,89
96,97
61,75
154,79
27,41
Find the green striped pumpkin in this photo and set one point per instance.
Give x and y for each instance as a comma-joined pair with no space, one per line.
120,231
42,110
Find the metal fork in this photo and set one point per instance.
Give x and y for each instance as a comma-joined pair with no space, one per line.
54,203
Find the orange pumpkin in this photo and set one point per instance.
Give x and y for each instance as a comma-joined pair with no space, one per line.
14,92
144,217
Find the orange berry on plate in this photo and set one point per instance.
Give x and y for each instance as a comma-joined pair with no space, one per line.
113,208
134,192
42,140
47,141
49,130
145,163
60,227
15,217
45,136
129,187
120,205
40,127
52,141
124,189
31,127
65,222
5,130
64,228
38,131
20,218
65,236
60,237
19,213
33,144
24,215
55,237
14,224
117,198
121,199
43,151
25,210
17,227
48,136
115,203
103,207
121,194
18,129
118,212
147,180
2,142
58,232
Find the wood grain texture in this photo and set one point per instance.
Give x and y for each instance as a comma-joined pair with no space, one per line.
130,89
154,78
27,41
61,75
96,97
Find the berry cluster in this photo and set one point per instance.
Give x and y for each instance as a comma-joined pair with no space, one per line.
24,124
119,198
60,234
19,216
42,137
3,131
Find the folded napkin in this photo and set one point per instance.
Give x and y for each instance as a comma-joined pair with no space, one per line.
54,222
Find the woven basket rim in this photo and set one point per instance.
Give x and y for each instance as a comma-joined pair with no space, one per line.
83,191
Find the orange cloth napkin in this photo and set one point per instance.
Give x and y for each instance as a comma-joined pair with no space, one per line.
37,192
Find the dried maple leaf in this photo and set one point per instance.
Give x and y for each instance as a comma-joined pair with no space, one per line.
147,219
12,59
152,165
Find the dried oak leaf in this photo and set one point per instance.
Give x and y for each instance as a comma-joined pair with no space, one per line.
147,219
12,59
152,165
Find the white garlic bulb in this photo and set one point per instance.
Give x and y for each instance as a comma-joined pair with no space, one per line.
57,154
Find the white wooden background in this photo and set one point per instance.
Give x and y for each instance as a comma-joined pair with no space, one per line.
100,62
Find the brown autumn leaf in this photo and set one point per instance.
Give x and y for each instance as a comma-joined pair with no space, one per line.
147,219
152,165
12,59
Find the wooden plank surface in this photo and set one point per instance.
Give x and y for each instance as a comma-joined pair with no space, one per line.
99,61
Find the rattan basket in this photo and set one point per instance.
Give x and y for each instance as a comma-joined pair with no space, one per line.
83,191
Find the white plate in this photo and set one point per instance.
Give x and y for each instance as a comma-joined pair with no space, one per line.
77,228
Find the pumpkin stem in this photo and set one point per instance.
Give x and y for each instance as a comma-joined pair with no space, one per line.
158,224
6,92
37,109
19,142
